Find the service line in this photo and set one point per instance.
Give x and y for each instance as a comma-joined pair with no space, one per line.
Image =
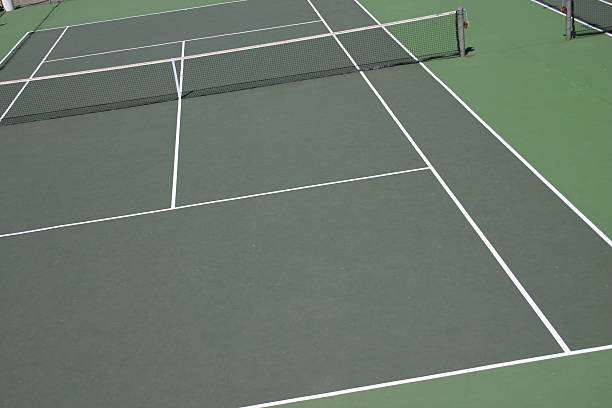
223,200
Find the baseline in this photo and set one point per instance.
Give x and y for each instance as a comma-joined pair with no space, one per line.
432,377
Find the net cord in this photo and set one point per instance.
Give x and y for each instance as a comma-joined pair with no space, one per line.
227,51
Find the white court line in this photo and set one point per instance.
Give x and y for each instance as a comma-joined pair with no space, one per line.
450,193
14,46
33,73
605,2
433,377
551,329
516,154
177,137
188,40
563,14
145,15
223,200
176,79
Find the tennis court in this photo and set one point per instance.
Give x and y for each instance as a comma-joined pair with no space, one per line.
271,244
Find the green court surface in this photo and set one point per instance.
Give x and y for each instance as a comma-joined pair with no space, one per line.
548,98
577,381
356,240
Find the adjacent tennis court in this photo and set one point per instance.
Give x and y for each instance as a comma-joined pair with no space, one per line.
260,202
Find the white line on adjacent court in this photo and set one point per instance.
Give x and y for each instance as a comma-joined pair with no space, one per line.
187,40
33,73
606,2
516,154
432,377
223,200
23,37
149,14
450,193
548,7
177,138
563,14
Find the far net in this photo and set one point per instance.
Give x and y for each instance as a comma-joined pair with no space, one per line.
365,48
588,16
596,13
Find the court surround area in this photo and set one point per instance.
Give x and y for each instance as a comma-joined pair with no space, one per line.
275,244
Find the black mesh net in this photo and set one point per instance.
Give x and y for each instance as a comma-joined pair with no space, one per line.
8,93
597,13
94,92
257,67
230,70
588,16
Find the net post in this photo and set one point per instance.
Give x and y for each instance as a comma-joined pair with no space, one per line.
569,19
461,30
8,5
